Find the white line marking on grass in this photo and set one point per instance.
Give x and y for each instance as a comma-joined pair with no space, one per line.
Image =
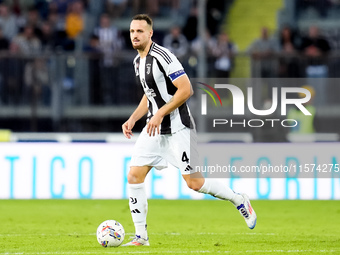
167,252
265,234
56,234
132,234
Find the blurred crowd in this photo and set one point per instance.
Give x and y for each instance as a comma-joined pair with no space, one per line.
316,8
37,27
30,30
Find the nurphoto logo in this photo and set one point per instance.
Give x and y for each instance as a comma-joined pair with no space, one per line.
238,105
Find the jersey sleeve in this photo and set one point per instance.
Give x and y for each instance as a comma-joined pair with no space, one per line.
175,69
170,64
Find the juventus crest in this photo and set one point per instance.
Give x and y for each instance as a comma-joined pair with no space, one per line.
148,69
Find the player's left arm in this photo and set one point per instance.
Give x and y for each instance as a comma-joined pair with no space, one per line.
183,93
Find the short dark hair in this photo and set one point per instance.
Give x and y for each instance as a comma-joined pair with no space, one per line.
143,17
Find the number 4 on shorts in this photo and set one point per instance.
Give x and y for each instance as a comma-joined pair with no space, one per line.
185,157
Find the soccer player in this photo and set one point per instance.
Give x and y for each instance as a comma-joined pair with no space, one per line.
169,131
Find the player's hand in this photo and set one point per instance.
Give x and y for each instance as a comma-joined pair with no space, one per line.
127,128
154,125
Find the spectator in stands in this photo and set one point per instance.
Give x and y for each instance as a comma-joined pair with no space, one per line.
16,7
4,42
152,7
75,20
93,46
109,39
4,46
215,15
37,82
61,41
335,3
289,45
316,48
48,37
27,43
43,8
319,6
8,22
196,47
176,42
93,51
264,64
33,19
223,51
263,46
289,42
116,7
110,42
196,44
191,24
19,7
173,5
314,45
60,6
55,20
13,78
262,51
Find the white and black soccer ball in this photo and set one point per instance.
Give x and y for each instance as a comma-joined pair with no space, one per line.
110,233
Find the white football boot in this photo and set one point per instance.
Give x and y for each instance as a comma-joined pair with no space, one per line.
138,241
247,212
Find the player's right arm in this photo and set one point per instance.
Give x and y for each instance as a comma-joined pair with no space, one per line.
140,111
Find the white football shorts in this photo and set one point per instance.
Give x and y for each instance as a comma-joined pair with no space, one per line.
179,149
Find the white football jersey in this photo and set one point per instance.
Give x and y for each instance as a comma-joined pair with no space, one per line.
155,73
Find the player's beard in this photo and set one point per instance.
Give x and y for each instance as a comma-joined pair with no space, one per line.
140,47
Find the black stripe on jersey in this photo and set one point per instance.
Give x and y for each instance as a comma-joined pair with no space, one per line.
150,81
183,109
185,117
163,53
137,69
151,47
150,114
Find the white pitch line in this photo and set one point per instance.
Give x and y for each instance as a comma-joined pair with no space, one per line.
43,234
132,234
169,252
265,234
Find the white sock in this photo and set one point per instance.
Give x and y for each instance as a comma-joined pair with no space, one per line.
217,189
138,207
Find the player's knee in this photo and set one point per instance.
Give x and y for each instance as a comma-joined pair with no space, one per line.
194,184
134,178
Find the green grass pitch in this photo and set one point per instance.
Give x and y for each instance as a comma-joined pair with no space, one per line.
175,227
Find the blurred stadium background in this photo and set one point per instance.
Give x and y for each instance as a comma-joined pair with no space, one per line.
67,85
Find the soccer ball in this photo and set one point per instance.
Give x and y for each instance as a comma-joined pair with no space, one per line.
110,233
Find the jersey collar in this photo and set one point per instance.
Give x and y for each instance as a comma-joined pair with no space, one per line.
151,47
